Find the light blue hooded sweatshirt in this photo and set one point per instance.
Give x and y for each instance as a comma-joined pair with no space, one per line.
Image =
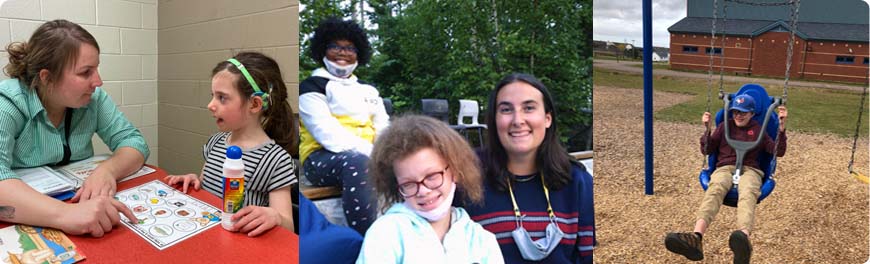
402,236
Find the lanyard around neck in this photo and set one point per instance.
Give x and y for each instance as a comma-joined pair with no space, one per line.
546,194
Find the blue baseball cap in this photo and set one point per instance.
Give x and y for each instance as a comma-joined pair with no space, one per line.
743,103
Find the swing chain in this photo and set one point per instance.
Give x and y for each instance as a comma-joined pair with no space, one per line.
794,16
710,66
710,83
858,126
793,24
722,51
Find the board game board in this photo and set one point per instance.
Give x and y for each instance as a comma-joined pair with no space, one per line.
166,215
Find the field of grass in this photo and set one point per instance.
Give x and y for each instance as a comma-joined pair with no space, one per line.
810,109
666,66
603,56
656,66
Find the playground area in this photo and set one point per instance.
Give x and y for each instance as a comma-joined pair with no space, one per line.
818,212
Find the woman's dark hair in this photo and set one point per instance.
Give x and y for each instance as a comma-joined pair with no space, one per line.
278,118
54,46
551,158
333,29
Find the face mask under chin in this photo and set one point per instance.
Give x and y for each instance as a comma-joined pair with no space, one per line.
439,212
338,70
535,250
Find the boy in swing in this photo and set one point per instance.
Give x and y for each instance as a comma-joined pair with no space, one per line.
742,128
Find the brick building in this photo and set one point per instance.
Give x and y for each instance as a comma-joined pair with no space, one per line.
831,40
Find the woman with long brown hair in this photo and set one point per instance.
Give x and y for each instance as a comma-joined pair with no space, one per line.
51,108
538,201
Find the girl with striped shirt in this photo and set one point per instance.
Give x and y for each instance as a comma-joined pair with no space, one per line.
249,103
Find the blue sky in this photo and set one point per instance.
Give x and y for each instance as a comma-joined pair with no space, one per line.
620,21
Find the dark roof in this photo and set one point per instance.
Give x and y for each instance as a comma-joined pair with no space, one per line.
828,31
744,27
815,11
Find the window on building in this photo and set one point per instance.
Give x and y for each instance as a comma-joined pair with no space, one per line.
865,60
716,51
690,49
845,59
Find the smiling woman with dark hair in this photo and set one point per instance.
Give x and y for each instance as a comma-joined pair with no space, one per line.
341,117
537,200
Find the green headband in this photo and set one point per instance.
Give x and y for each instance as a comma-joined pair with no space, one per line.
257,91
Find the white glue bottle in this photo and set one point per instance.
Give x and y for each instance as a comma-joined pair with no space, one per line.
234,185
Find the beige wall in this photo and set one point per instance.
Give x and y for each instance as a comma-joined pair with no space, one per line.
179,41
194,35
127,34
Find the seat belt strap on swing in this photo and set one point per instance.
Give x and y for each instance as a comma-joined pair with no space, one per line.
736,177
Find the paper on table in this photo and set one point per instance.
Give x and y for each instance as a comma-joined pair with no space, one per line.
61,182
80,170
45,180
166,215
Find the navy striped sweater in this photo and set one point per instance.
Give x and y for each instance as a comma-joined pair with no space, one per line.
574,210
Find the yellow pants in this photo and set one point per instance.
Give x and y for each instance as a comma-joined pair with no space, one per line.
749,188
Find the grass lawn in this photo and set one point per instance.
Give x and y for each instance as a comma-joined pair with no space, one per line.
666,66
600,56
810,109
656,66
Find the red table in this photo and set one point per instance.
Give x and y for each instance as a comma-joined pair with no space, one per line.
214,245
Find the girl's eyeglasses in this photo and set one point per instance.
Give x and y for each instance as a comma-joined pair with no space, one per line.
431,181
337,48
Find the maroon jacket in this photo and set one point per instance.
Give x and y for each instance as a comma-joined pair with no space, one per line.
727,155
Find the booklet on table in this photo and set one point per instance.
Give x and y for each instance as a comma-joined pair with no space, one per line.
63,181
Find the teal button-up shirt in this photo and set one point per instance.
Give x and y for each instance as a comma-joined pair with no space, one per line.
29,139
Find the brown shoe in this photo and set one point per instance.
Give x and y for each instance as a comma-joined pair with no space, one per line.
741,247
686,244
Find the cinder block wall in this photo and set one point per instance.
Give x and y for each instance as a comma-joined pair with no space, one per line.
195,35
127,33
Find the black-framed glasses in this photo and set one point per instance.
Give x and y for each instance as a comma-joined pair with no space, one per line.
431,181
337,48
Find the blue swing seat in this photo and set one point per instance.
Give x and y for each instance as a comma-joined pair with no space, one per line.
765,160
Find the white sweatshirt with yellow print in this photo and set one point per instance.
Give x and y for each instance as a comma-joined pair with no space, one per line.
339,114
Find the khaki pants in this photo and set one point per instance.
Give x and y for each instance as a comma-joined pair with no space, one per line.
749,188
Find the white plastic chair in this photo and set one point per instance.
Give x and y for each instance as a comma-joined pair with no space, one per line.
470,108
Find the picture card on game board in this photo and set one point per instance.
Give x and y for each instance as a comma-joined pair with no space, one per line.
166,215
